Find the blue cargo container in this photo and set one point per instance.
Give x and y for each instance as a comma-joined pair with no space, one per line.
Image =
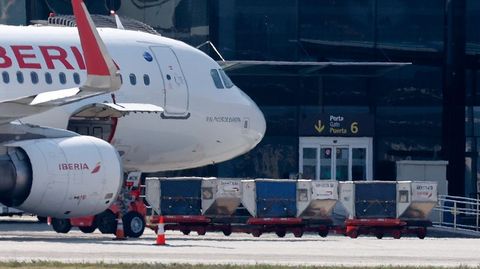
276,198
375,200
181,196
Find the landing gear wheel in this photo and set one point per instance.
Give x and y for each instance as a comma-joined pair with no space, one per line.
421,233
298,232
87,229
323,233
397,234
227,232
281,233
106,222
379,235
62,226
256,233
133,224
185,232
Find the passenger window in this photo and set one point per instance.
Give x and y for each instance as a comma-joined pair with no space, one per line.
63,78
34,77
48,78
133,79
216,79
76,78
226,80
5,77
146,79
20,77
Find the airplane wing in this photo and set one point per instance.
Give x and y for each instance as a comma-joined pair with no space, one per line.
282,68
102,74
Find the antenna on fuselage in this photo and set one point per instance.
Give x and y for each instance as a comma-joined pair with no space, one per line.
117,20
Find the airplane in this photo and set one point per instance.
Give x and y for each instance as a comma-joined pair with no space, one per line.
81,107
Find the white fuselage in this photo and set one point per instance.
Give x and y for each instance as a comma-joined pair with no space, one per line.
202,124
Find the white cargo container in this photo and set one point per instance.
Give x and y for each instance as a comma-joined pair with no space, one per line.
249,196
346,197
416,199
221,197
316,198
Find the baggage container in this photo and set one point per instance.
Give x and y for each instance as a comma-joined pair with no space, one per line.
416,199
175,196
270,198
369,199
221,197
316,198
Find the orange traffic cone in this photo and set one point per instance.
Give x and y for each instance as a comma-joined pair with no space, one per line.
161,233
119,234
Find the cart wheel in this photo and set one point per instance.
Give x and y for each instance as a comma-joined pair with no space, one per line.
62,226
421,233
281,233
256,233
379,235
323,233
353,234
397,234
297,232
186,232
201,231
106,222
227,232
87,229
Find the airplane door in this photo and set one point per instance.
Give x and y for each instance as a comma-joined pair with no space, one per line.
176,88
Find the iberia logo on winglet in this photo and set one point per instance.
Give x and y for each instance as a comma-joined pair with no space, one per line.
96,168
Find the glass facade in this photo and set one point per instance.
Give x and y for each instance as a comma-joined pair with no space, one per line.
13,12
410,105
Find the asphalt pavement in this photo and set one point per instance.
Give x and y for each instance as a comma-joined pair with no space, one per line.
26,240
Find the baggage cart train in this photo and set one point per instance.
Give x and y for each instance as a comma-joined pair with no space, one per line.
258,206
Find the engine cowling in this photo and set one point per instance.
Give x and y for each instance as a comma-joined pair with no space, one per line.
61,177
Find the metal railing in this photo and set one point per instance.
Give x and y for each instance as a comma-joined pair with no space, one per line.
459,213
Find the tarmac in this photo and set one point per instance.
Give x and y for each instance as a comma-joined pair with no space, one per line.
23,239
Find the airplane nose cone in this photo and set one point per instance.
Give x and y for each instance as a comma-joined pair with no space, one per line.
259,124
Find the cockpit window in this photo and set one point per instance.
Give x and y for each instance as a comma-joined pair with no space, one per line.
216,78
226,80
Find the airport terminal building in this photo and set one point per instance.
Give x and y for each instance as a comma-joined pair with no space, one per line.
344,120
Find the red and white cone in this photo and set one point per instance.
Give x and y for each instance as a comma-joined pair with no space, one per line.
119,233
161,233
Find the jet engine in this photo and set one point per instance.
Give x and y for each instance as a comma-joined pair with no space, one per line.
60,177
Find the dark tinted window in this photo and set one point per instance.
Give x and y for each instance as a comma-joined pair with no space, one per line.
410,24
20,77
62,77
76,78
5,77
34,77
146,79
48,78
133,79
216,78
226,80
472,22
263,30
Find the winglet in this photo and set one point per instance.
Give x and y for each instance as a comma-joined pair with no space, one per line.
103,73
